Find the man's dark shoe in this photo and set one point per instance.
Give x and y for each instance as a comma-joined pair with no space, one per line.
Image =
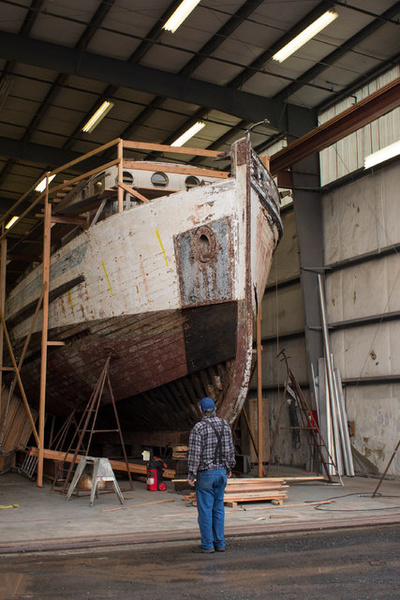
219,548
200,550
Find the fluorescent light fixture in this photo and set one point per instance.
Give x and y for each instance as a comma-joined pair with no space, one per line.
382,155
41,186
189,134
306,35
11,222
98,116
181,13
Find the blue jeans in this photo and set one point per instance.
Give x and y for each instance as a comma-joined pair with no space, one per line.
210,489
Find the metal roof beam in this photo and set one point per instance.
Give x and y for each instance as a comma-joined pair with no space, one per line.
367,110
93,66
40,154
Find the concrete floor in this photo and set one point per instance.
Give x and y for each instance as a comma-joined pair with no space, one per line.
45,520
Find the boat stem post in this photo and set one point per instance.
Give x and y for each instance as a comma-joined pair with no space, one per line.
43,362
259,395
120,176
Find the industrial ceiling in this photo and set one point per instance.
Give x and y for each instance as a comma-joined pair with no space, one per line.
61,59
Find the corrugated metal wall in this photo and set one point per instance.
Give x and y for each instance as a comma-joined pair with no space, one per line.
360,217
347,155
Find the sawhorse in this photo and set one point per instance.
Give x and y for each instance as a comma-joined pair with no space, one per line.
102,471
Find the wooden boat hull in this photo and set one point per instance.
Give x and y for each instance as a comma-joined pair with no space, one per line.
169,289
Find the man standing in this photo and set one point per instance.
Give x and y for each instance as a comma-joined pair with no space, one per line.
211,459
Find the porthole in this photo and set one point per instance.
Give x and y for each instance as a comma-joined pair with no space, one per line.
191,181
159,179
204,244
127,177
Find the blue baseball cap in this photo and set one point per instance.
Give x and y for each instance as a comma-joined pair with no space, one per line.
207,405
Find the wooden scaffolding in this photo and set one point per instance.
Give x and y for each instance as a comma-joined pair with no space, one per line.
46,199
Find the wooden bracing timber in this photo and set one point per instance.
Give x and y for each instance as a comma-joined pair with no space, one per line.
117,465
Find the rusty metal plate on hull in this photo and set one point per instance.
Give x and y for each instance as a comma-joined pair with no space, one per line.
205,263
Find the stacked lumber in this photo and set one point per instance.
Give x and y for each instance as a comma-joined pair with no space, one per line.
179,452
271,489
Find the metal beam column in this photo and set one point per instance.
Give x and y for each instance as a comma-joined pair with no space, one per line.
308,215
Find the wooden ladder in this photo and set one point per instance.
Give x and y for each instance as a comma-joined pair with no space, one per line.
306,421
87,425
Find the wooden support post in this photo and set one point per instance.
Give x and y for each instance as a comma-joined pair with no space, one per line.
3,262
253,439
16,370
43,362
120,176
259,396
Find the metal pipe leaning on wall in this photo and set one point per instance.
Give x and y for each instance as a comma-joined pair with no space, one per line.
331,403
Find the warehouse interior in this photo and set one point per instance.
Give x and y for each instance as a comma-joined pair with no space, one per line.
317,116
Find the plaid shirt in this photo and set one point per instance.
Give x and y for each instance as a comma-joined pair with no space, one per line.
202,454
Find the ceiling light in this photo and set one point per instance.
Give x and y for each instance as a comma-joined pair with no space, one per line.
41,186
382,155
181,13
306,35
189,134
11,222
98,116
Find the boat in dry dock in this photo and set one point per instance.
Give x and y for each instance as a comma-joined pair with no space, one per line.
164,273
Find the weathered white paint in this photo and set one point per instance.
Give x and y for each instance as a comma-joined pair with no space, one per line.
124,265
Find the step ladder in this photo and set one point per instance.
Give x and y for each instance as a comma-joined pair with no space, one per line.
306,422
87,425
102,472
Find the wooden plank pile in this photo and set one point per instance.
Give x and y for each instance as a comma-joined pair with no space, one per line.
15,429
272,489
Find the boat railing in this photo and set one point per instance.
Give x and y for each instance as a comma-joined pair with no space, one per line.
68,184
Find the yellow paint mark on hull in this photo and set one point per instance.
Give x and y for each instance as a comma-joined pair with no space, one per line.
70,300
106,274
162,247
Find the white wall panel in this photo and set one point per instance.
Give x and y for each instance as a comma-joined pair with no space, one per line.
375,411
274,369
367,351
286,263
364,290
363,215
282,312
